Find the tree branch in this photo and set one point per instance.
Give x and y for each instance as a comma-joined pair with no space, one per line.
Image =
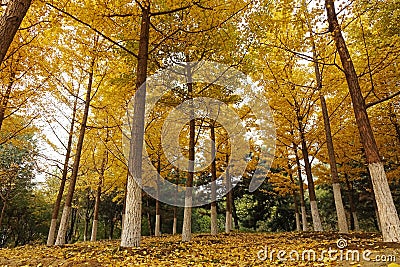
119,15
382,100
94,29
169,11
34,25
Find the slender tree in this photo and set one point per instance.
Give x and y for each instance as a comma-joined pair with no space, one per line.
62,230
214,219
301,186
307,166
295,198
101,173
187,212
157,227
57,204
229,198
341,215
175,220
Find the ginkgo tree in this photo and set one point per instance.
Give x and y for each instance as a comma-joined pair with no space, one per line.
388,217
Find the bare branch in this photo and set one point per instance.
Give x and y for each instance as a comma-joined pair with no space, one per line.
34,25
382,100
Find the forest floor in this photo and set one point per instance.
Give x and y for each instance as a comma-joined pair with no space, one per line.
236,249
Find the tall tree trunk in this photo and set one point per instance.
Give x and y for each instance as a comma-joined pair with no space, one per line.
311,190
68,201
187,212
301,186
214,219
353,214
157,231
340,212
388,217
87,216
10,22
228,214
93,236
295,201
101,172
337,195
295,197
175,221
234,214
131,233
149,217
57,204
70,234
302,201
296,211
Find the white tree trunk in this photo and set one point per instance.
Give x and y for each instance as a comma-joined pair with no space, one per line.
228,222
304,218
214,221
388,217
52,232
341,214
174,226
356,224
131,233
315,216
93,237
157,226
60,241
187,216
298,225
85,231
